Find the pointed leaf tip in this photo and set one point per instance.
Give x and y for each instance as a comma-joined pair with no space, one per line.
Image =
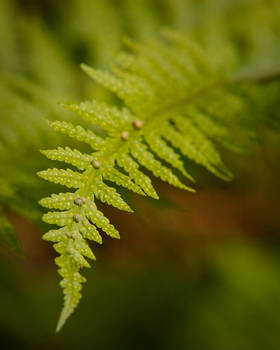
87,69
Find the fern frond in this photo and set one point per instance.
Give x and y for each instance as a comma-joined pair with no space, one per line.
7,234
166,88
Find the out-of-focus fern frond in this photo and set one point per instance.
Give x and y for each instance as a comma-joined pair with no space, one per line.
9,49
7,233
46,62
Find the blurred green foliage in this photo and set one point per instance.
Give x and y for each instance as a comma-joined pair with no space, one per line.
230,300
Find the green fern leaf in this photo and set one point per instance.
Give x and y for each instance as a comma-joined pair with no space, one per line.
172,96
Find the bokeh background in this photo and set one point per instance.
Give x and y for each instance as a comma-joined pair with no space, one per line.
191,271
